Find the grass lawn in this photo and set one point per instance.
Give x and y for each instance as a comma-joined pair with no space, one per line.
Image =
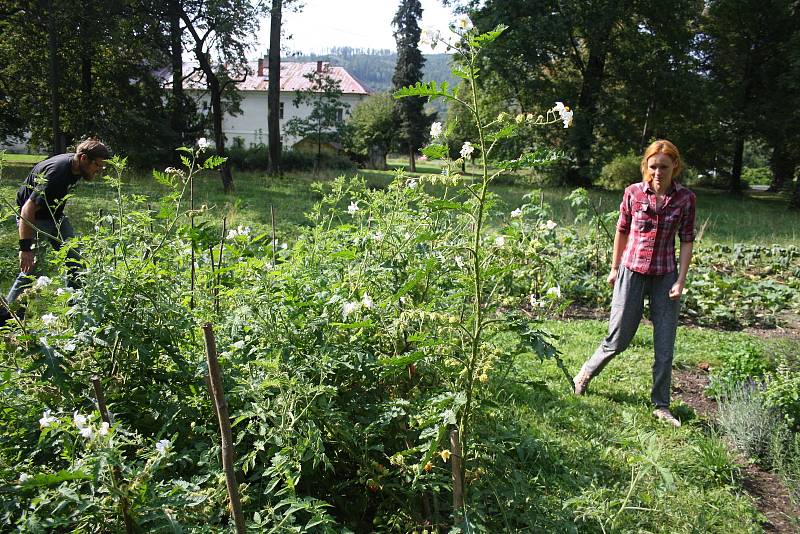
600,446
21,159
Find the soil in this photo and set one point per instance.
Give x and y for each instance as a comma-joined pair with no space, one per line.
767,490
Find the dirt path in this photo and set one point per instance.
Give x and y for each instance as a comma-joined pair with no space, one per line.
766,489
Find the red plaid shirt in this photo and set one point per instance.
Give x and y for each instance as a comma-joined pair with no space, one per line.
651,244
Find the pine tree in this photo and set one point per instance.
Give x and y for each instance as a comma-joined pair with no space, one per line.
408,71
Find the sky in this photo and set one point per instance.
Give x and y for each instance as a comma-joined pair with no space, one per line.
323,24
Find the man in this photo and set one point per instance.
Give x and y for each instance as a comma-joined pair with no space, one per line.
41,200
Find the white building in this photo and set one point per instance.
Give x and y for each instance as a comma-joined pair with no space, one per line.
251,124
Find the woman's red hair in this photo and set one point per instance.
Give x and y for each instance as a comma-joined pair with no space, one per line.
662,146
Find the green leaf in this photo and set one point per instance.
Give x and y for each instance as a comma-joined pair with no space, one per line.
403,360
213,162
56,478
484,39
431,90
435,151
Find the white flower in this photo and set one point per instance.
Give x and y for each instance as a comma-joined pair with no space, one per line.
554,292
103,430
567,118
69,346
350,307
284,246
436,130
550,225
517,212
378,236
411,184
352,208
232,234
49,319
62,291
47,419
430,37
520,118
467,149
459,261
23,477
464,22
564,113
203,143
42,281
80,420
87,432
367,301
239,345
533,301
162,446
499,241
243,230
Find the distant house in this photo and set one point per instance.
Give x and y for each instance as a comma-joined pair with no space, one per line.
250,126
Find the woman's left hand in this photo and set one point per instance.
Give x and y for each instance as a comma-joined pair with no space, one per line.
676,290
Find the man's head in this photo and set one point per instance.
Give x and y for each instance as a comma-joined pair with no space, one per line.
91,155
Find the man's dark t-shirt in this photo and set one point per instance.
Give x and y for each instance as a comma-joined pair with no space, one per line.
49,196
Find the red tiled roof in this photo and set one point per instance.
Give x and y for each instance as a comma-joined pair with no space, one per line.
292,78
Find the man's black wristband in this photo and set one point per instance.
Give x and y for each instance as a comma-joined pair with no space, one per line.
25,245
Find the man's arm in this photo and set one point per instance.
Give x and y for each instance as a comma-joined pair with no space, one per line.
26,233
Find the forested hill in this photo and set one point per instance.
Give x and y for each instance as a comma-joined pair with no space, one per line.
376,67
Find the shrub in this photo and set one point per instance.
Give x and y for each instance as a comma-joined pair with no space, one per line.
757,175
620,172
751,425
783,393
741,363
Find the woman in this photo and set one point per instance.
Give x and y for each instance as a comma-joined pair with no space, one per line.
643,264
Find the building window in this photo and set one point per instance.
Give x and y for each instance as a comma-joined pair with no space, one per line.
280,111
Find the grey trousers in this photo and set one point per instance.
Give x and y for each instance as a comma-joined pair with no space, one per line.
62,229
627,306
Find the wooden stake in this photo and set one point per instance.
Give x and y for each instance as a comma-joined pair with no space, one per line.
458,482
215,376
115,474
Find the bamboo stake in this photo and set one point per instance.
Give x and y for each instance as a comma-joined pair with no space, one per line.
215,376
115,474
458,482
274,236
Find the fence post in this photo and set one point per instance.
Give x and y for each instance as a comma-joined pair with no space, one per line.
458,481
215,377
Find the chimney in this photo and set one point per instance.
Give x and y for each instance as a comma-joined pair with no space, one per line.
261,67
319,66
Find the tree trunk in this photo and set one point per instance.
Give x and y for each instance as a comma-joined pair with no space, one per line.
55,80
274,90
177,116
794,201
583,129
736,170
216,111
86,52
782,163
412,161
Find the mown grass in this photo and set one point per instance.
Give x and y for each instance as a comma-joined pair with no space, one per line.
591,448
21,159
